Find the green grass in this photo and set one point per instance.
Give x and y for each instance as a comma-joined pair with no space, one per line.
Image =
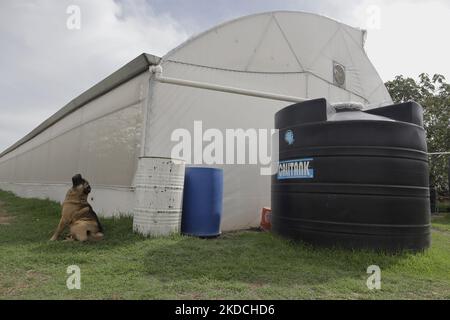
238,265
442,222
443,206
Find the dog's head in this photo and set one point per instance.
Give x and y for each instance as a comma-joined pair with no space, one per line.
80,184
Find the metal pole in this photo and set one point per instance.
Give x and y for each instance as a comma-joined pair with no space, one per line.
157,70
438,153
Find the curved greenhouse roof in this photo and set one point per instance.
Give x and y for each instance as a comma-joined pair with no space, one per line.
288,42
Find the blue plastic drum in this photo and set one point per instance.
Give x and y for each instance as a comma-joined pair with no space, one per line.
202,201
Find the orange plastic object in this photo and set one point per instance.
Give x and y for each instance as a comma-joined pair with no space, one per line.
266,219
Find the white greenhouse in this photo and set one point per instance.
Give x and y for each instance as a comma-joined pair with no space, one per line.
233,76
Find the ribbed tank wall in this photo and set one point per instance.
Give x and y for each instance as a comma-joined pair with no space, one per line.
352,178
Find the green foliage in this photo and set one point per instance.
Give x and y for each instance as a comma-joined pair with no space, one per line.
434,96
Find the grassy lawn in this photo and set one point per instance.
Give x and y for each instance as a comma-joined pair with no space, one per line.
238,265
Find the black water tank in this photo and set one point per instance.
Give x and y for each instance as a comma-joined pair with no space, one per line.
352,178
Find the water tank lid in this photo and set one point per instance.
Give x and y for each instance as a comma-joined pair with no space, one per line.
347,111
347,106
319,110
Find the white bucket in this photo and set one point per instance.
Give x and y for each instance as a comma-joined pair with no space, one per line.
159,186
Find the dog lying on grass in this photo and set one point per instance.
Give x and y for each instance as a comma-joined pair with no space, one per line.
78,215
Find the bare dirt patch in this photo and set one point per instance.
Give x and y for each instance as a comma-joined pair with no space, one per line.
5,219
18,282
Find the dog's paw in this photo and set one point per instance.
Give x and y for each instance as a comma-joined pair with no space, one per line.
53,239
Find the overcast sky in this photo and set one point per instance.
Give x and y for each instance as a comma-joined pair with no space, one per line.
44,65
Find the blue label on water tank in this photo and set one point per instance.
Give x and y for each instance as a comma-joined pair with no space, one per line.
289,137
295,169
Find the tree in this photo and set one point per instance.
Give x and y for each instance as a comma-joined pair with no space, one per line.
434,96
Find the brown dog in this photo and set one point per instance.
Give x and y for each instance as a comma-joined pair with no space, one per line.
78,214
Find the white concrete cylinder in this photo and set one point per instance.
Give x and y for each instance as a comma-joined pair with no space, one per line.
159,186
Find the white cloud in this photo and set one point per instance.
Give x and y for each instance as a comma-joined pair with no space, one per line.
44,64
412,37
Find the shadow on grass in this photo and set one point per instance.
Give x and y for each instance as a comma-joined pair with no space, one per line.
441,219
259,258
444,206
441,222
